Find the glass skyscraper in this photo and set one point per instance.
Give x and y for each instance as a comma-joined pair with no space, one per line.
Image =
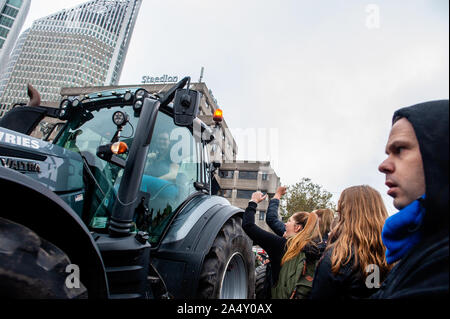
83,46
12,18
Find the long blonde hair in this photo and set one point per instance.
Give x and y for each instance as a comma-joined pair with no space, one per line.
296,243
326,217
358,232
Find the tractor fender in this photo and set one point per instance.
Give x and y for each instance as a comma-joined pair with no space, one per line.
180,256
29,203
191,214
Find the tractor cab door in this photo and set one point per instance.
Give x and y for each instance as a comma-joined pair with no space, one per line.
173,172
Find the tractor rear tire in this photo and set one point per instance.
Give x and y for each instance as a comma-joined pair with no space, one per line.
31,267
228,270
260,278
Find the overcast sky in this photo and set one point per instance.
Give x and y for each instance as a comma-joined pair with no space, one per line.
316,82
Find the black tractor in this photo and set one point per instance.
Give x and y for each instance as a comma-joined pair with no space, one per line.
120,204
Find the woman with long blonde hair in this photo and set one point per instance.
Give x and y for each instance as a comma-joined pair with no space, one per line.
298,238
293,253
354,261
326,217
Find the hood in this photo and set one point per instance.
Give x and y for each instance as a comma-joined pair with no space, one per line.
430,122
59,169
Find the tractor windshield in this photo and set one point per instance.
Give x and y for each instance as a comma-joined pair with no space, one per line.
102,177
171,169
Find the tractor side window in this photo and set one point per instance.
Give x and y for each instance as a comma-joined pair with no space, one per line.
171,168
47,129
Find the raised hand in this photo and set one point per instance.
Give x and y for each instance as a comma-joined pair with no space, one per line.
280,192
258,197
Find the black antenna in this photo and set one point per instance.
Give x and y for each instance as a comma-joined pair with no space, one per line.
201,75
188,85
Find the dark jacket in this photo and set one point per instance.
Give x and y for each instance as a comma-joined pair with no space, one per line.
348,283
274,245
272,220
323,244
424,270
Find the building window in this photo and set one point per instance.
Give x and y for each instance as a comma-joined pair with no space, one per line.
6,21
262,215
248,175
9,11
226,174
15,3
265,176
245,194
4,32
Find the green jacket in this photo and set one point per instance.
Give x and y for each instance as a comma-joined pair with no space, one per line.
295,279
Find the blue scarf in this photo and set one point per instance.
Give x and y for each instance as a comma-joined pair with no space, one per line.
401,231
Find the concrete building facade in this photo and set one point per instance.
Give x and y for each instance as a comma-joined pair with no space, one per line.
12,17
240,179
82,46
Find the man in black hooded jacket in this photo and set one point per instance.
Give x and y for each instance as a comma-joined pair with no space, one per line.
416,238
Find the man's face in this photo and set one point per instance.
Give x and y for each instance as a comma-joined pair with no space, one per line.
162,141
403,168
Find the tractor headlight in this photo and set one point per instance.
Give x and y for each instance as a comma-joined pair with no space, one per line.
120,118
139,97
128,96
138,105
140,94
64,107
64,104
76,103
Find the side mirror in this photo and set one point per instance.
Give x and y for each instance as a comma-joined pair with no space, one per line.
186,105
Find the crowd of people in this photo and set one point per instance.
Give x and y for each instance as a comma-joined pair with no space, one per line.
361,252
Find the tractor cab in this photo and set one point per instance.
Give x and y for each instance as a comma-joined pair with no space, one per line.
103,128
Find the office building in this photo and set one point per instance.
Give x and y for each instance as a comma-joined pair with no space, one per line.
240,179
12,17
78,47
